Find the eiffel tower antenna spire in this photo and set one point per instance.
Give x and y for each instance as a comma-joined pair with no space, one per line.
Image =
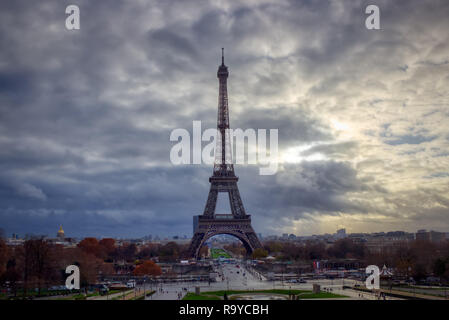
222,56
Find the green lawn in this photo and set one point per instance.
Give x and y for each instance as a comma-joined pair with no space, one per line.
277,291
321,295
94,294
217,253
114,291
192,296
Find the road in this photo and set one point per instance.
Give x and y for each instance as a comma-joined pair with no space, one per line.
234,278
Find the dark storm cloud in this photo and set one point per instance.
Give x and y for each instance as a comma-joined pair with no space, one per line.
317,185
300,190
294,125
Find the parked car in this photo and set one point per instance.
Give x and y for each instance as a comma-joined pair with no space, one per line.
433,281
103,290
57,288
131,284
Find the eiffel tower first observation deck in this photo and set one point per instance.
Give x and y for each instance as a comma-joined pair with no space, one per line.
223,179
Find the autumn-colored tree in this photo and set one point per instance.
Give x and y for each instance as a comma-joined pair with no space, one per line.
204,251
346,248
90,246
4,253
259,253
314,251
235,248
169,251
439,268
11,275
107,248
108,244
107,268
149,251
41,263
36,263
149,268
127,252
88,263
273,246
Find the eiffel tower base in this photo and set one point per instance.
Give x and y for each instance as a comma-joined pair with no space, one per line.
208,227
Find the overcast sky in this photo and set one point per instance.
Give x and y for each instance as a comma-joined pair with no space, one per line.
86,116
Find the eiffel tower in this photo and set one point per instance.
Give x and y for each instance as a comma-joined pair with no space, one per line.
223,179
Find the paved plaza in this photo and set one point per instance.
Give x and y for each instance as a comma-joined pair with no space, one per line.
234,278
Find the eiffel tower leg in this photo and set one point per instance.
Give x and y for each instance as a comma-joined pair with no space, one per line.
253,240
236,202
195,244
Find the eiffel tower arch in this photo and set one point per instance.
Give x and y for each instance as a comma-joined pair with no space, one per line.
223,179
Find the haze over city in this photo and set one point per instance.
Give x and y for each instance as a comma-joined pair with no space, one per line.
86,116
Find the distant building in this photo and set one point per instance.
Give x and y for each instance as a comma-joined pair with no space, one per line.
376,242
195,223
15,240
148,237
433,236
423,235
341,234
60,235
437,236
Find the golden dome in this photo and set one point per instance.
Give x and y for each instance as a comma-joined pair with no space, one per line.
60,231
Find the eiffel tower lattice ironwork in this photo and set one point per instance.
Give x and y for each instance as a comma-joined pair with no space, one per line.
223,179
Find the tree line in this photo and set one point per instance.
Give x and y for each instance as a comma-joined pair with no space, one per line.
417,259
38,263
